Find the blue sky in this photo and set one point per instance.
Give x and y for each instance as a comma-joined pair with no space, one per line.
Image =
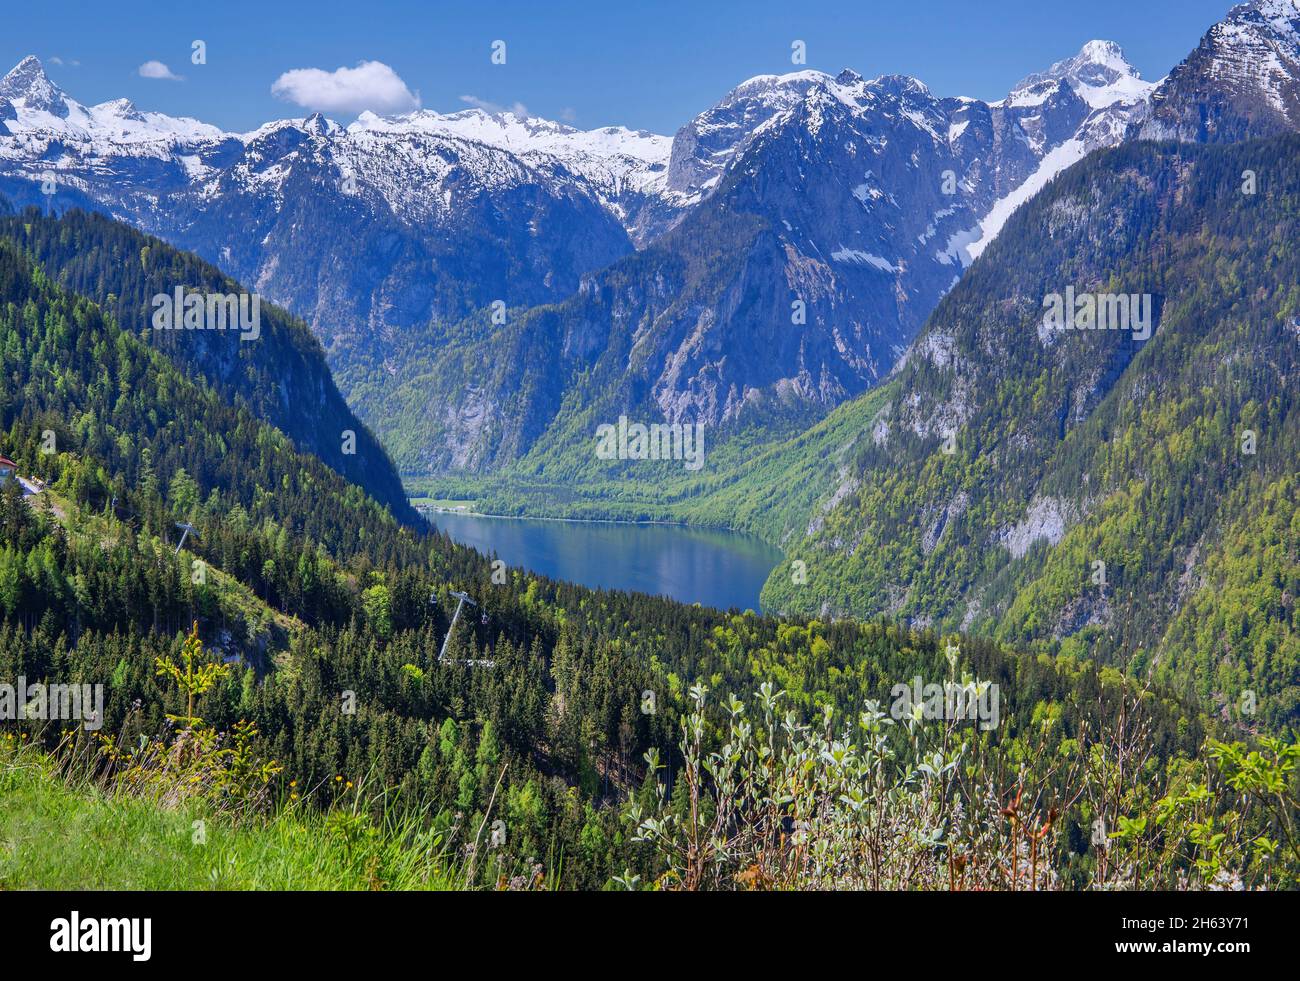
645,65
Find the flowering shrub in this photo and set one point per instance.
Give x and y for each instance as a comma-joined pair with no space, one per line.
770,802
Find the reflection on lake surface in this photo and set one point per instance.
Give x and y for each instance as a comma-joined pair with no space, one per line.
694,565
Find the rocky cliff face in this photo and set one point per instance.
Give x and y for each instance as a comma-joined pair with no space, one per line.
1241,82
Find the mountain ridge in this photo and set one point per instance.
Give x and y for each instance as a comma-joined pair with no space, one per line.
792,286
1242,80
385,233
280,376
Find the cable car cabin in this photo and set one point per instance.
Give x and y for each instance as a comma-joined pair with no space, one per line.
8,470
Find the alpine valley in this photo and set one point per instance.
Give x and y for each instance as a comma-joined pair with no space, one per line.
817,313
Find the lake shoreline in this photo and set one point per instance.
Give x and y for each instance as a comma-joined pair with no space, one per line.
582,521
714,567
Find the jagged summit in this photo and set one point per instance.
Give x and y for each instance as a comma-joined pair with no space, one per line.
1096,59
901,85
1099,74
1241,82
33,105
27,85
317,125
26,73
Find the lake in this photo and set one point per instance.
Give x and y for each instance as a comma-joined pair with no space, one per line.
694,565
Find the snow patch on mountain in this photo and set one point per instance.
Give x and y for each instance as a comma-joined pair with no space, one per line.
967,251
843,254
1113,91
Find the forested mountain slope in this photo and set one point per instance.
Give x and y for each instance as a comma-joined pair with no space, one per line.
280,374
1130,499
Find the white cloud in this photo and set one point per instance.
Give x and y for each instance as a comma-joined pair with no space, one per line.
518,108
156,69
371,85
65,62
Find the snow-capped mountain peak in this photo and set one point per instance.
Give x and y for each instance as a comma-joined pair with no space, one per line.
1267,31
1242,81
317,125
626,169
520,133
28,87
122,108
775,88
402,158
902,86
1079,104
1099,74
704,148
42,113
1097,62
1283,16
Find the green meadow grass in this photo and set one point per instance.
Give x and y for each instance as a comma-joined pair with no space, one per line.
57,833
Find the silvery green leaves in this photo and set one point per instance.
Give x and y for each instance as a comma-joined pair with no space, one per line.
776,802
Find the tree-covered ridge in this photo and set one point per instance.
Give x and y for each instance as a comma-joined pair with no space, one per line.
281,376
319,601
1170,460
136,422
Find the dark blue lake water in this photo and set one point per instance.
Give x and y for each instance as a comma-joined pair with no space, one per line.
694,565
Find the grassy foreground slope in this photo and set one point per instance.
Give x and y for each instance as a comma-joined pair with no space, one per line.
63,834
